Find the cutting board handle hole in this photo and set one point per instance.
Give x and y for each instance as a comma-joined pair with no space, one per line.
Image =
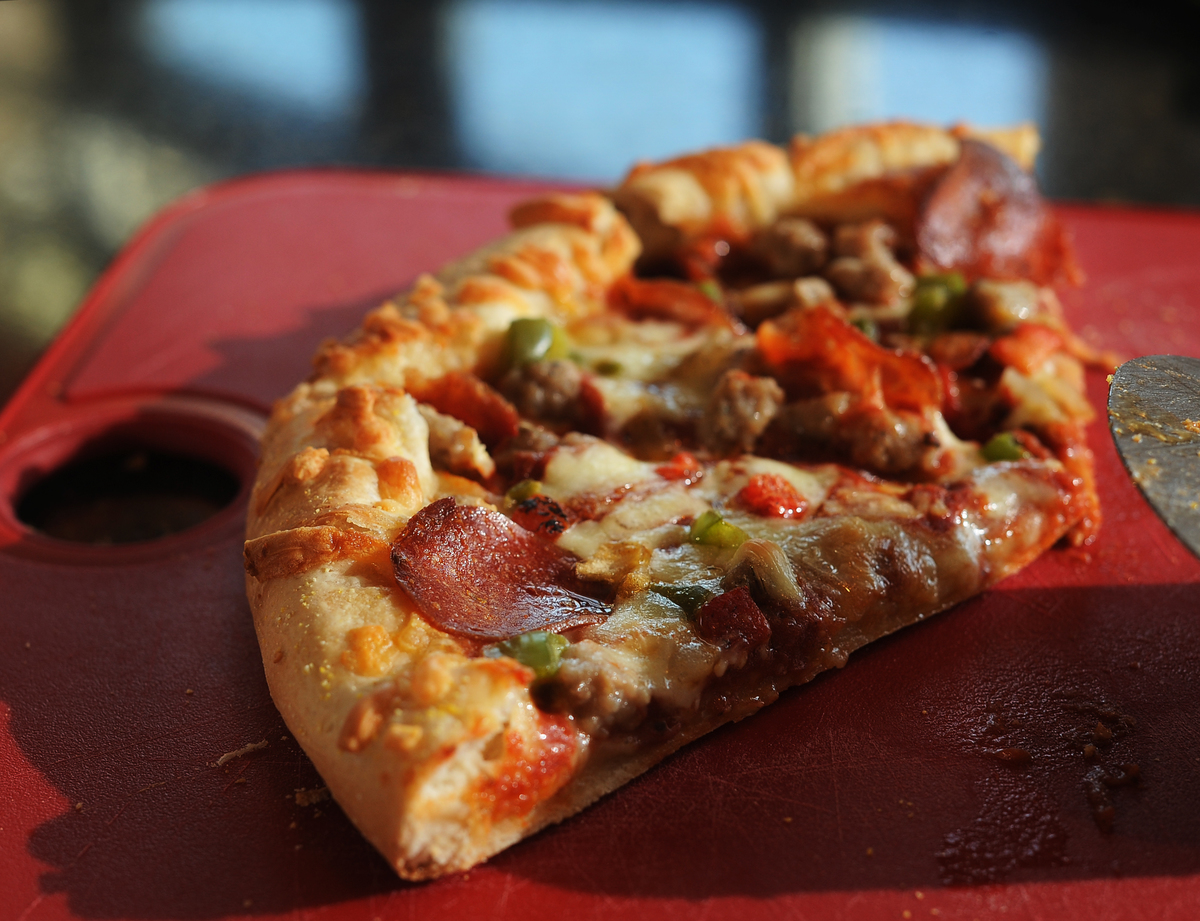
120,491
115,477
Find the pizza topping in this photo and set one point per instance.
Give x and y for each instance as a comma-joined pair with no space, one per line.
816,351
541,515
683,466
689,598
791,247
938,303
455,446
958,350
842,427
739,411
666,299
524,456
1003,447
548,391
866,268
733,622
475,573
768,299
1043,401
471,401
712,530
1001,305
1027,348
766,561
535,762
539,650
622,564
533,339
985,217
770,495
361,726
584,466
369,651
525,489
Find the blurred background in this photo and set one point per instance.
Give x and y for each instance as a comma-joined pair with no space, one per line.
112,108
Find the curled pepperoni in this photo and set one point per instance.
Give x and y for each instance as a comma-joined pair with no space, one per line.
1026,348
474,403
985,217
474,573
665,299
815,351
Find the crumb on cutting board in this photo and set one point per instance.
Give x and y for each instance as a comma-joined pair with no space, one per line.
312,797
244,750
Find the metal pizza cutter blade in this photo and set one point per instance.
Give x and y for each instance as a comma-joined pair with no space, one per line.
1154,414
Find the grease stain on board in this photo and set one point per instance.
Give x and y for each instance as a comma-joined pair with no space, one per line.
1019,824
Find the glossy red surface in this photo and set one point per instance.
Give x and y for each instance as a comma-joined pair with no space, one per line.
942,774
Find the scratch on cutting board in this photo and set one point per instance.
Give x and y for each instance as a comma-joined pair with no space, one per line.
837,799
31,906
244,750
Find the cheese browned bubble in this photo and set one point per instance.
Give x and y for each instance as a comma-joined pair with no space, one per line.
603,486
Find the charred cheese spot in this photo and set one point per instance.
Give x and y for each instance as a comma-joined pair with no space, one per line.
361,725
588,212
432,679
536,268
289,553
485,289
369,652
403,737
302,468
399,481
352,423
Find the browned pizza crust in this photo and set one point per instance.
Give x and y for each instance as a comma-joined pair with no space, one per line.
498,568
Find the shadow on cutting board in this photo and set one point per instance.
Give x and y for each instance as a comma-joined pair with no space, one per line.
267,368
903,771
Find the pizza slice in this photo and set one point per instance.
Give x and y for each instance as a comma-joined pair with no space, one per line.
634,469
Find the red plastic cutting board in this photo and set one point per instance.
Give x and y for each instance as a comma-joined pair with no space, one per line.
876,792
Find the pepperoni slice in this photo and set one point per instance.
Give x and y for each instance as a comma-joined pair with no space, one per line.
472,402
542,515
816,351
1026,348
474,573
985,217
666,299
733,621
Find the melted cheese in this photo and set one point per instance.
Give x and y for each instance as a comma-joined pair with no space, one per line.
646,517
729,476
586,466
645,351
